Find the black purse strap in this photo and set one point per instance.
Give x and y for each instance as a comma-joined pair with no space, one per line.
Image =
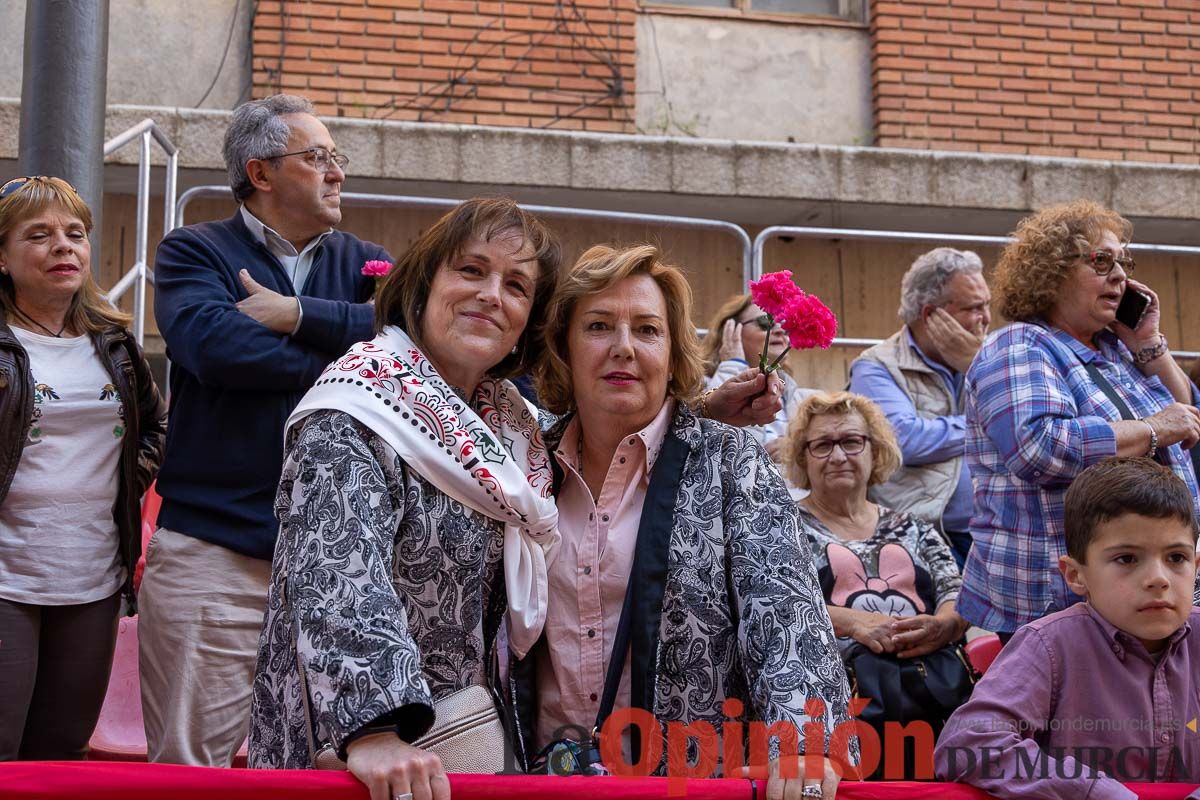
1123,408
644,592
1102,383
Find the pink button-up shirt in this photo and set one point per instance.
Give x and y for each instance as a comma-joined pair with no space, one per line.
588,579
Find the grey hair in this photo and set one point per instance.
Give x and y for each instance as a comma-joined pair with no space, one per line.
257,131
925,282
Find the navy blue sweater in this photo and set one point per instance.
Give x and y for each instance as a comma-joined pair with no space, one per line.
234,382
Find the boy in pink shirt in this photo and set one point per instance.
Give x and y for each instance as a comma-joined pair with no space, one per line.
1107,691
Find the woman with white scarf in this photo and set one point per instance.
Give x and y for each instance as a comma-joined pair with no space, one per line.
415,509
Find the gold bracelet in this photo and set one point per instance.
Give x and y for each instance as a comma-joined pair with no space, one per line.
702,406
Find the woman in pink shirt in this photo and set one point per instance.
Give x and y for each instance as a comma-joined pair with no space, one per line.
680,549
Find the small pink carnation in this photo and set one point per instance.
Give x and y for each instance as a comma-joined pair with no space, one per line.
808,323
376,269
773,292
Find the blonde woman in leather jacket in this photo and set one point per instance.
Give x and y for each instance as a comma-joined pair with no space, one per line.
83,431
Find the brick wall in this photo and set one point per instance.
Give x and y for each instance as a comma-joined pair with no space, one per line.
532,63
1113,80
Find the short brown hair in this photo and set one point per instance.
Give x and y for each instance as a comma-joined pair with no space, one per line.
401,299
1045,249
1121,485
90,312
885,451
711,346
600,268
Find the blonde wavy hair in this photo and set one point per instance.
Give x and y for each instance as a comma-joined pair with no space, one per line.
601,268
1045,250
885,451
90,312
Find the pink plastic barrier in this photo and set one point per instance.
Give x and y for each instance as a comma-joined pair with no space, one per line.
982,651
119,781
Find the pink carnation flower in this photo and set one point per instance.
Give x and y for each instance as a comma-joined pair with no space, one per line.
376,269
808,322
773,292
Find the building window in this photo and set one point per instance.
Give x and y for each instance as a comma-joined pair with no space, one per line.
848,10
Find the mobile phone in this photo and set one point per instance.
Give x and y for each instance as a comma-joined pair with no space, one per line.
1133,305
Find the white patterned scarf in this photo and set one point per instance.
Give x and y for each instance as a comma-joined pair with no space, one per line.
493,461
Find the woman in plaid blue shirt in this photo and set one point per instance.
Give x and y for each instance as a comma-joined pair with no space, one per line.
1062,387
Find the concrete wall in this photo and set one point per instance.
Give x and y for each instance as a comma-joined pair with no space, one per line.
160,52
756,81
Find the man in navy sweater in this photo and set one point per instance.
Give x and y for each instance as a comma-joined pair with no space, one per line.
252,309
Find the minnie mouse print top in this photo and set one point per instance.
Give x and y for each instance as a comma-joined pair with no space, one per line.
905,568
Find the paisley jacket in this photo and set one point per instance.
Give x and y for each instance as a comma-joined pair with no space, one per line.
725,597
385,595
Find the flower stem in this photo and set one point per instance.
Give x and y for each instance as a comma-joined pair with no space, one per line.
775,364
762,357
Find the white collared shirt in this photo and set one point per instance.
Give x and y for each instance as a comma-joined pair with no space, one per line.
296,265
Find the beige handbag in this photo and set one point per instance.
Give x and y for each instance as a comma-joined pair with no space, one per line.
467,734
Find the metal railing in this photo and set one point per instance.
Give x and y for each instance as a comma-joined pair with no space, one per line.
137,275
862,234
406,201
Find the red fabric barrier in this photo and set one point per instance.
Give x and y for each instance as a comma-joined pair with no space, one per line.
123,781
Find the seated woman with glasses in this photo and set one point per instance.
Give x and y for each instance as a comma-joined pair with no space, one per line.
1071,382
734,341
889,578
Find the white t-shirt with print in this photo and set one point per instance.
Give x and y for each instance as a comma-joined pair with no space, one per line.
58,539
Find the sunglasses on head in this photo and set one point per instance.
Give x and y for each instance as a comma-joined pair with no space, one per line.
1103,262
16,184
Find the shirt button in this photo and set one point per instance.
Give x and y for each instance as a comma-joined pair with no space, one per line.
591,633
1166,737
593,697
1116,648
622,459
587,570
633,441
605,518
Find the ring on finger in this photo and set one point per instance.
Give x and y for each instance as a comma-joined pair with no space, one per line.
812,790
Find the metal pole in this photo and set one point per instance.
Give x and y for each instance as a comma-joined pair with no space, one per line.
143,234
859,234
404,201
169,193
63,86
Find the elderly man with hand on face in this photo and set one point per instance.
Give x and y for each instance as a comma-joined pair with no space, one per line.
916,377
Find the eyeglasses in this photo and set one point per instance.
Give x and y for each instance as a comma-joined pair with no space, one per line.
823,448
1103,261
13,186
319,158
763,321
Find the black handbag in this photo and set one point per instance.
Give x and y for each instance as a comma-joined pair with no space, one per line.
905,690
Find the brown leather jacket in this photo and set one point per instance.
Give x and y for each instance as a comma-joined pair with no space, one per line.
145,431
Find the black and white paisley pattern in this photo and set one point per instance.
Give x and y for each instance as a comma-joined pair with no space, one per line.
743,616
388,592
